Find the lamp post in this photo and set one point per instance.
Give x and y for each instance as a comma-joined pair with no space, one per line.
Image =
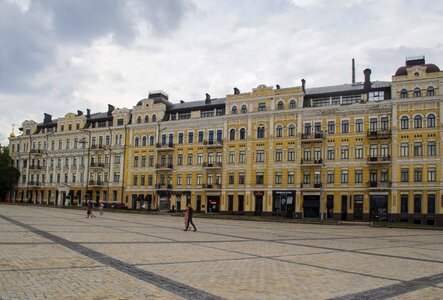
86,164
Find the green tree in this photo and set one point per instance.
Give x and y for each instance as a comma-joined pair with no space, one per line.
9,175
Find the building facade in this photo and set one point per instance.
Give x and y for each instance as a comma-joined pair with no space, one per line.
361,151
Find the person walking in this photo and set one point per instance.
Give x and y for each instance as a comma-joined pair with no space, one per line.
102,206
190,212
89,211
186,219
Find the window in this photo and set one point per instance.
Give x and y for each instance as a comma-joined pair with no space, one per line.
262,106
417,92
234,110
330,178
376,96
241,178
291,154
290,177
278,177
292,104
231,157
432,150
307,154
345,152
189,179
261,132
200,136
134,180
404,204
404,122
417,204
430,91
404,175
260,156
307,177
404,93
241,157
154,118
344,176
418,149
231,178
308,128
232,134
431,204
358,176
280,105
135,161
331,153
404,149
137,141
345,126
259,178
151,140
116,177
291,130
244,109
418,175
146,119
358,151
144,141
430,121
431,174
139,120
119,122
143,164
278,155
190,158
279,131
180,137
331,127
384,123
242,134
418,121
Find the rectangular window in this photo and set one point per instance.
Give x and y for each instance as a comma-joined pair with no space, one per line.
200,136
432,149
199,158
417,204
359,125
330,178
418,150
331,153
179,179
278,177
418,175
431,174
134,180
345,126
376,96
143,164
180,159
404,204
331,127
190,159
231,157
431,204
231,178
404,149
241,178
384,123
307,154
142,180
291,154
290,177
190,137
344,176
241,158
262,106
358,152
180,137
259,178
260,156
149,179
116,176
358,176
135,161
404,175
307,177
278,155
345,152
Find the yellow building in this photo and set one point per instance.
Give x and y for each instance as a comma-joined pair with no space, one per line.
361,151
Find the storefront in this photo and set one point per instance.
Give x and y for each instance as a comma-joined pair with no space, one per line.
379,207
213,203
311,206
283,203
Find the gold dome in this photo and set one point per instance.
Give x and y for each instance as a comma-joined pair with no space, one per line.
12,134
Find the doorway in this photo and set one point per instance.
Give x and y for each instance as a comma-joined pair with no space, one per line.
344,207
379,208
358,207
311,206
213,204
258,205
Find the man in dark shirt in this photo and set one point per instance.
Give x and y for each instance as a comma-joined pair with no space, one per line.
190,213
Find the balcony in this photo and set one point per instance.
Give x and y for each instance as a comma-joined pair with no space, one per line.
97,165
312,137
379,184
164,167
95,183
213,144
211,186
164,187
35,167
97,147
164,147
34,183
217,165
311,186
379,134
36,151
311,162
379,159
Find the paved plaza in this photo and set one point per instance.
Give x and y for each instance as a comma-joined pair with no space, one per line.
59,254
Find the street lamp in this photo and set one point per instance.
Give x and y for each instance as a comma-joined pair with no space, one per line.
84,142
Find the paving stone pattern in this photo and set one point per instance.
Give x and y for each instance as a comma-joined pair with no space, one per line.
50,253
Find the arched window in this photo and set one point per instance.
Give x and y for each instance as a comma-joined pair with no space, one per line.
146,119
139,120
291,130
261,132
430,122
137,142
262,106
404,122
279,131
417,92
144,141
232,134
280,105
154,118
430,91
292,104
404,93
234,110
243,134
244,109
418,121
151,140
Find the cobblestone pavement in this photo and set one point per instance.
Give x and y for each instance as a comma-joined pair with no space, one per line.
59,254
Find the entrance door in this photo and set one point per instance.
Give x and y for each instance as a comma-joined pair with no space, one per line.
199,203
344,207
330,206
379,208
311,206
358,207
179,204
258,205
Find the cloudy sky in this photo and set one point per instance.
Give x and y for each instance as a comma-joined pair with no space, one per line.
57,56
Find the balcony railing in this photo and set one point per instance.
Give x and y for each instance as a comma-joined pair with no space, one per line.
164,166
211,186
34,183
311,161
318,136
379,134
35,167
97,147
311,185
167,146
36,151
379,159
215,165
161,186
379,184
213,143
98,165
